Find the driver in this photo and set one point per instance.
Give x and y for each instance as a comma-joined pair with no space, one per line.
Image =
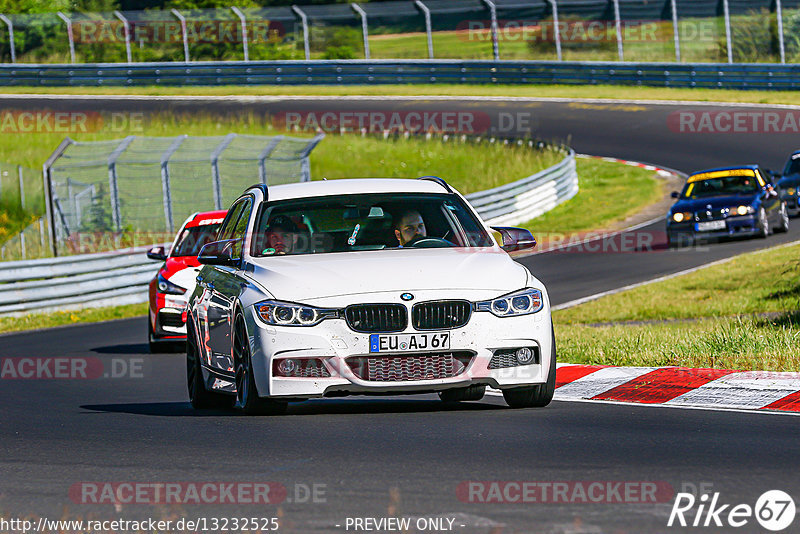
409,227
280,236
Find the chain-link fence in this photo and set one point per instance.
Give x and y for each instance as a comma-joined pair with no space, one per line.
578,30
31,243
21,205
131,190
21,189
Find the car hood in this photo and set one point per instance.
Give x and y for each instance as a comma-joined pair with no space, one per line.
789,181
182,271
701,204
301,278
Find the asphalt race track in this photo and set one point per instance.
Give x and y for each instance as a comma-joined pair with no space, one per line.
399,456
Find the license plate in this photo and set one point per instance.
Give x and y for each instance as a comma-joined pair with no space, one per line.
710,226
409,342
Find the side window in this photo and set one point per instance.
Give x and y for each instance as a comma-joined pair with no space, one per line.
229,225
241,227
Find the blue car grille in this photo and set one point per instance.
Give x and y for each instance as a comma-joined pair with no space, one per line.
711,215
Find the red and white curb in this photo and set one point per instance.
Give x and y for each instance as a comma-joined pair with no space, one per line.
661,171
680,387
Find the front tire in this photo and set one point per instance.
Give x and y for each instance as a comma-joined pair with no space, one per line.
763,224
199,396
154,346
783,219
535,396
247,398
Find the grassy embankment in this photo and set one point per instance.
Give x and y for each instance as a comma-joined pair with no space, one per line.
741,314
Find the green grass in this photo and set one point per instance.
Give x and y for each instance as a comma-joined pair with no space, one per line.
759,282
466,166
36,321
736,315
499,90
609,193
743,343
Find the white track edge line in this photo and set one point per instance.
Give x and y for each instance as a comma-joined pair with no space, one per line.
596,296
645,405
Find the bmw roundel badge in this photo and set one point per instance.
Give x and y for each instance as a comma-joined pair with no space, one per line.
407,296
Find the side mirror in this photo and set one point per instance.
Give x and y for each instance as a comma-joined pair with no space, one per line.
157,253
675,194
219,253
515,239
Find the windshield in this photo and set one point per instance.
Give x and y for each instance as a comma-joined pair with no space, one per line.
716,187
350,223
193,239
792,166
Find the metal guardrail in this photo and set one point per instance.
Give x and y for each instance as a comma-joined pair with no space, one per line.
122,278
526,199
376,72
50,284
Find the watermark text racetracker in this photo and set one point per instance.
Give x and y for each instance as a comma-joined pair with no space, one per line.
734,121
411,121
378,121
564,492
196,493
14,121
587,31
70,368
171,31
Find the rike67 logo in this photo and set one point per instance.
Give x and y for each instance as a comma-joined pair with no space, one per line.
774,511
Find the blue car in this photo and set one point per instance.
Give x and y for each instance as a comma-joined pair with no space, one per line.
724,203
789,184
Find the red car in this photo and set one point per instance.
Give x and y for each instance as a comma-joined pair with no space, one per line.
176,279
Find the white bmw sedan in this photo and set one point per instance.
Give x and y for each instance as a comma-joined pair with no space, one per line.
365,287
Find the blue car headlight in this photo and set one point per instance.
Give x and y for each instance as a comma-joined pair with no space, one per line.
523,302
290,314
743,210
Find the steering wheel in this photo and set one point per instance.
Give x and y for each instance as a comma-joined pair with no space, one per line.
428,242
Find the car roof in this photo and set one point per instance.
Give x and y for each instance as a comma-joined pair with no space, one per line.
734,168
206,217
353,186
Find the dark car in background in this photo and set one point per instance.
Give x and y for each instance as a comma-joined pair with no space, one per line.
724,203
789,184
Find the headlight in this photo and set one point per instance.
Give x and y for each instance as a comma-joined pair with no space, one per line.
168,288
744,210
682,216
522,302
791,191
290,314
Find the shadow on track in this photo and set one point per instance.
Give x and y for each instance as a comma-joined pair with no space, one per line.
136,348
312,407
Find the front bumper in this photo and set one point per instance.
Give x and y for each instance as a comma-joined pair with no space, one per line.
336,346
170,318
734,227
792,205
